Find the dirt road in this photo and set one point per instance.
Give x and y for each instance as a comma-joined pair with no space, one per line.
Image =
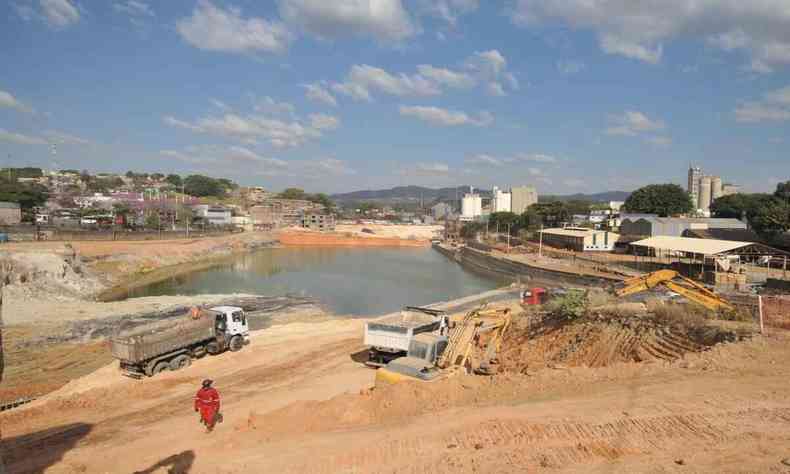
296,401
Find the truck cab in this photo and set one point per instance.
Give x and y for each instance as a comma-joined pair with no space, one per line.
232,321
420,363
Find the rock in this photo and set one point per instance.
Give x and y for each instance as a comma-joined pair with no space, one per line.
786,461
478,445
680,462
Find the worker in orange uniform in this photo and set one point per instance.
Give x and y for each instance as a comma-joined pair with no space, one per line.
207,402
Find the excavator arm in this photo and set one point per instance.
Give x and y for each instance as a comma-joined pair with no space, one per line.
686,287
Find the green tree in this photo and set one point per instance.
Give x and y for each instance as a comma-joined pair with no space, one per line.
322,199
158,176
783,191
203,186
152,220
770,217
503,220
662,199
736,206
27,172
27,195
292,193
174,179
471,229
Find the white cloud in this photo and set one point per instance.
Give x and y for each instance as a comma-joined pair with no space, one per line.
638,29
385,20
317,92
570,67
362,79
448,10
59,13
659,141
220,105
252,128
324,122
632,123
8,100
446,77
133,8
426,169
445,117
491,68
773,107
226,158
485,159
20,139
54,136
536,157
215,29
267,105
327,166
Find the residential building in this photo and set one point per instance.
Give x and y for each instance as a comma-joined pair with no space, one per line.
452,230
580,239
213,215
521,197
274,213
650,225
10,213
319,221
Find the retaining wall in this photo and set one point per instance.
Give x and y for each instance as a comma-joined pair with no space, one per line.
519,271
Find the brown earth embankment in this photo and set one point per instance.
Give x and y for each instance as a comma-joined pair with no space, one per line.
342,240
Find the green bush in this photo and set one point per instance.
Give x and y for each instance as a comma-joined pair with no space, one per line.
571,305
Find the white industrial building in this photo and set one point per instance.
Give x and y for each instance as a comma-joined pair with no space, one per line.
705,189
471,206
501,201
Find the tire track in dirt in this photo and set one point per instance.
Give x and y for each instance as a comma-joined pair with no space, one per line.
522,443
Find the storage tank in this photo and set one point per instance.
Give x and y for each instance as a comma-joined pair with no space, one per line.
716,190
704,193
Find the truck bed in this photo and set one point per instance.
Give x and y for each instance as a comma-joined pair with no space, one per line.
405,320
150,340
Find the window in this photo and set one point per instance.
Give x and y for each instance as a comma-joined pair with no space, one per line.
239,317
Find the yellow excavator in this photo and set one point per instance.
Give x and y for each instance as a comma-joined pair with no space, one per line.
676,282
434,356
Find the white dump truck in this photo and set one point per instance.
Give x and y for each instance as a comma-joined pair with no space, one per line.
172,344
390,337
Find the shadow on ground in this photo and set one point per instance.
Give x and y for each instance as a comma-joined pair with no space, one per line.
35,452
180,463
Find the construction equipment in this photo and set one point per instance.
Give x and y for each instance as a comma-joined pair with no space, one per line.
433,356
389,338
172,344
676,282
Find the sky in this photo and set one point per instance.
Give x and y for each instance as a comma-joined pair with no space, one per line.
332,96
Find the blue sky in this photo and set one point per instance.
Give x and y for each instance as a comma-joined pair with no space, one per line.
567,95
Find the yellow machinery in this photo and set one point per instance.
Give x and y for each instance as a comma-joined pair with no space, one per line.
432,356
677,283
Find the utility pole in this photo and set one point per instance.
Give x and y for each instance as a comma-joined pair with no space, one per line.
508,238
540,244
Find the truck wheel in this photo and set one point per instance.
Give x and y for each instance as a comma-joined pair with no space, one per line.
180,362
213,348
159,367
199,352
236,343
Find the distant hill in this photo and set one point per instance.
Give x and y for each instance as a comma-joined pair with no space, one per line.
596,197
402,194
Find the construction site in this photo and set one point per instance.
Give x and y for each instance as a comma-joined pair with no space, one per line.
513,380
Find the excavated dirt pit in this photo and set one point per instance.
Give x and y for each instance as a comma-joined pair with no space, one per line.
598,341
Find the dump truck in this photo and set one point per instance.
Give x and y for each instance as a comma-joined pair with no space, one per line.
434,356
172,344
390,337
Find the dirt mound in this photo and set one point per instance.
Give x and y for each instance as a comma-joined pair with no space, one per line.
599,341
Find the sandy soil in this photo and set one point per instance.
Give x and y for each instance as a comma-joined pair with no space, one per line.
297,400
420,232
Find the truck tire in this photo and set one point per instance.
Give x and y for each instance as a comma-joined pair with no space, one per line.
180,362
160,367
213,348
199,352
236,343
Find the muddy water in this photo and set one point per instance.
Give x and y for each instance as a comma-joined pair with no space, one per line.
348,281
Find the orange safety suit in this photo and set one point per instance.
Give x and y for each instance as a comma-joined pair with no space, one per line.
207,402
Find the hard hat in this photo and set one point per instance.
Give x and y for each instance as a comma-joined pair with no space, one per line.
207,383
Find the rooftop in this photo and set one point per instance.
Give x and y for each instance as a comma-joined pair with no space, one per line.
571,231
8,205
691,245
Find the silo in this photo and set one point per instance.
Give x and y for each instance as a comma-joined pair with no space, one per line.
716,188
704,193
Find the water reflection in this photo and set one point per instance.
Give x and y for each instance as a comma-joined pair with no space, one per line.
347,280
